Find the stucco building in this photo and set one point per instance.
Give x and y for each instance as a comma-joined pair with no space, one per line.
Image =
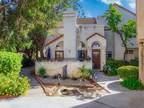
140,37
89,39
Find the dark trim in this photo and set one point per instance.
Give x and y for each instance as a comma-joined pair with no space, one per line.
57,38
94,35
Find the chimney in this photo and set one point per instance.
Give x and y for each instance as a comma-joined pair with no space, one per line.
70,49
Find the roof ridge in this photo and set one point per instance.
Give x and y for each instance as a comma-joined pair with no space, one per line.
115,4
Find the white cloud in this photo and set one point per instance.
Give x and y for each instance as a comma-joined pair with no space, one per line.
112,1
132,4
88,14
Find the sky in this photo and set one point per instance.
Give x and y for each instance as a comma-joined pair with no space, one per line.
93,8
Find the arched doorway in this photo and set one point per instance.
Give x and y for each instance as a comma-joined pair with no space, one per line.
96,55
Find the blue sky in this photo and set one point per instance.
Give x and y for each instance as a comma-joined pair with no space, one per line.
93,8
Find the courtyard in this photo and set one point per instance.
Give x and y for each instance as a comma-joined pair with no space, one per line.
119,97
71,54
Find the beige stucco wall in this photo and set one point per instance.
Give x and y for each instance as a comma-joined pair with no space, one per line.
140,37
109,35
132,56
86,30
119,49
140,19
55,68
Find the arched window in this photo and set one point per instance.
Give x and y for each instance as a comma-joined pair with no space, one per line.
95,45
59,46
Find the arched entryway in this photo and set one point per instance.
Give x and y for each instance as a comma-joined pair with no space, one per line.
96,55
96,49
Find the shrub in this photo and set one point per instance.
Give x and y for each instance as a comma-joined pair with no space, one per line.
11,84
128,71
85,72
111,67
10,63
134,62
41,72
116,63
23,86
132,84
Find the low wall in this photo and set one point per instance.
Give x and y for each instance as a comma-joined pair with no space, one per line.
55,67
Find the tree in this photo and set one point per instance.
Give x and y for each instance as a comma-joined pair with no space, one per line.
126,31
38,36
22,16
129,30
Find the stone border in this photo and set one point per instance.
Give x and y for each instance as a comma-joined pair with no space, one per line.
41,84
94,83
8,97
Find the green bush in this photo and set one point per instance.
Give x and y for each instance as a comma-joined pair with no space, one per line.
128,72
41,72
11,84
134,62
23,85
132,84
116,63
10,63
111,67
85,72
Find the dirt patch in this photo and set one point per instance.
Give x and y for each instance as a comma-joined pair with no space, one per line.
69,87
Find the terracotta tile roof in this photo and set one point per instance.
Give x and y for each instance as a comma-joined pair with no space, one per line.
86,21
80,21
52,39
117,5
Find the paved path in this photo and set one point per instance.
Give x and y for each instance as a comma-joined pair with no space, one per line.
118,99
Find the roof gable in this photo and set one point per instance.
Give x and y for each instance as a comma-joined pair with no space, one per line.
125,9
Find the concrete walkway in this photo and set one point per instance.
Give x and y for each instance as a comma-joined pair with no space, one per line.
119,97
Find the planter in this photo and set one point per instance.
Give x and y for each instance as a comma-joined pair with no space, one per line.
8,97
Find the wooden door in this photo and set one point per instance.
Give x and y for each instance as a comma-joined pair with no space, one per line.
96,58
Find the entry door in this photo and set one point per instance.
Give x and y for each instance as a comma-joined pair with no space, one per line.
96,58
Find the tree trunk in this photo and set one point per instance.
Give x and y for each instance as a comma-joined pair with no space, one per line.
37,53
41,53
125,45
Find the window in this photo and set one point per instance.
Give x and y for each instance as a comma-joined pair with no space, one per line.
82,55
59,52
95,45
109,54
59,55
130,52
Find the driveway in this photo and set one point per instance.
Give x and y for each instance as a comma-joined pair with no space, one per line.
119,97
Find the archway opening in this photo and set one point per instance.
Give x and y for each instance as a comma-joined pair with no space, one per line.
96,56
